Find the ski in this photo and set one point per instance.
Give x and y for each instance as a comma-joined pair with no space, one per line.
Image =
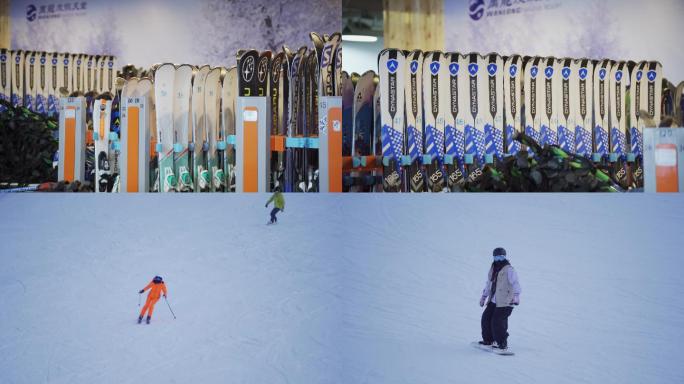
566,98
618,129
362,143
212,91
164,79
229,86
512,92
414,119
104,180
199,144
582,91
391,69
601,110
182,91
5,77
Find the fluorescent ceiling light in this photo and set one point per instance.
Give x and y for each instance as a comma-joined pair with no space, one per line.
360,38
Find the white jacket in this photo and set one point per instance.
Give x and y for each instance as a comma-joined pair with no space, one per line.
507,286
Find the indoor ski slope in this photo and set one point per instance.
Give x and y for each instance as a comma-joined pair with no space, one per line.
602,298
254,303
345,289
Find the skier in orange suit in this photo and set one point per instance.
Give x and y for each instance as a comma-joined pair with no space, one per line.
156,287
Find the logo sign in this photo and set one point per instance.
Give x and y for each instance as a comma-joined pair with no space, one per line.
583,73
66,61
472,69
262,69
565,72
327,55
275,70
392,66
338,57
548,72
3,57
17,59
434,67
31,12
476,9
78,62
42,60
602,73
534,71
491,69
639,74
414,66
111,64
618,76
513,70
248,69
651,75
54,61
453,69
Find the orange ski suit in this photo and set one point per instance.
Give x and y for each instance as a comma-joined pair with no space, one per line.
152,297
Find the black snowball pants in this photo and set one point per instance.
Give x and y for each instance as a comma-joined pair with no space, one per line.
495,324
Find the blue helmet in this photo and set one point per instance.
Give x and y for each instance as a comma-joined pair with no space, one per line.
157,279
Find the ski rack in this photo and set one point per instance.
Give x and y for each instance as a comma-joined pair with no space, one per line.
252,144
663,164
72,139
330,143
135,145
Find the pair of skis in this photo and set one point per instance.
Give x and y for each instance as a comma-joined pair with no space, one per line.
190,134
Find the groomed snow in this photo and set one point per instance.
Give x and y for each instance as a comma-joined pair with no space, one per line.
345,289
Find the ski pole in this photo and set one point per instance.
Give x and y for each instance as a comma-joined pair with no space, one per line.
167,303
139,294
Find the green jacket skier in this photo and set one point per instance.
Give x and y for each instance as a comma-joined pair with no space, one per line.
278,205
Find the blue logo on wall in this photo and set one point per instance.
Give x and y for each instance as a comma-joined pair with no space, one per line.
453,69
477,8
414,66
566,72
392,65
651,75
472,69
618,76
602,73
31,11
534,71
513,70
548,72
639,74
583,73
434,67
491,68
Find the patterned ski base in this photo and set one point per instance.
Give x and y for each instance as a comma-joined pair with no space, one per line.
490,349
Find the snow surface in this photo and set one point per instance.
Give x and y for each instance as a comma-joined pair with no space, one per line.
345,289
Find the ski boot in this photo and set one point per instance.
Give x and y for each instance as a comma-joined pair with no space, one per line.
139,319
148,319
485,343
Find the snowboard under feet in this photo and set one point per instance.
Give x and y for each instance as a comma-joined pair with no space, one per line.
489,348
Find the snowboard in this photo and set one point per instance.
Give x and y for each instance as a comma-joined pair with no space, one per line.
488,348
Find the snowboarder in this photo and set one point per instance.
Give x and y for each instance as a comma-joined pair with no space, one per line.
500,294
156,286
278,204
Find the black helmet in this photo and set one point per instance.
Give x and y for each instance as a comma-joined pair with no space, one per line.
157,279
499,252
